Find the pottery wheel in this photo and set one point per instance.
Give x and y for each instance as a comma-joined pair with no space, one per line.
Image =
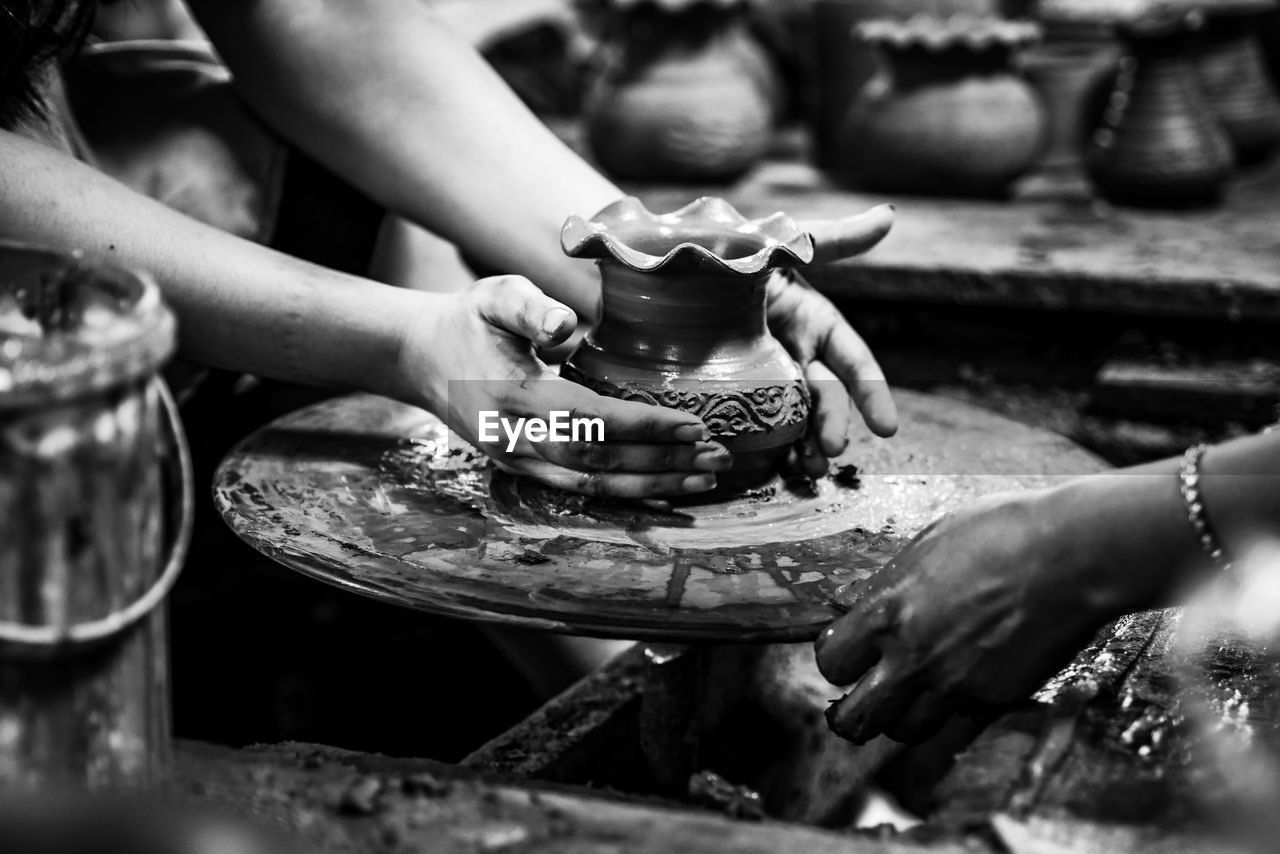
373,496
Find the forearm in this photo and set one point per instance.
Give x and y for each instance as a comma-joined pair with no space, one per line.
240,306
1134,524
384,95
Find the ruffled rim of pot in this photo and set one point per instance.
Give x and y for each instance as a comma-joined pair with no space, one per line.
933,32
1125,12
629,233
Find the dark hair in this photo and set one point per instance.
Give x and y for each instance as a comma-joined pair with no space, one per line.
32,33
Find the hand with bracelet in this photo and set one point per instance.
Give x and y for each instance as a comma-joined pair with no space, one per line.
986,604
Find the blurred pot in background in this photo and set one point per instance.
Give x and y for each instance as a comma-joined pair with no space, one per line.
841,64
686,94
1159,144
1070,77
1233,71
946,115
1269,33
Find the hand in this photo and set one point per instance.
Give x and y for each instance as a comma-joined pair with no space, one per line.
978,611
475,351
837,363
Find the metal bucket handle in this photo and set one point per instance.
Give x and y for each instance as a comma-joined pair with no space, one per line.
97,631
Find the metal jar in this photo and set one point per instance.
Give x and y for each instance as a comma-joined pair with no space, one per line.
94,522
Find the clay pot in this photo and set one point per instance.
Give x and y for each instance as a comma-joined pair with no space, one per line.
1233,72
947,115
1269,36
1068,78
683,323
689,97
1159,144
840,64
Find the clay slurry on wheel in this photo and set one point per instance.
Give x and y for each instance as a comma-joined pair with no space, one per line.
371,495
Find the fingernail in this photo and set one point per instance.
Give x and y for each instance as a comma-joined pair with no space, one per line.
846,723
844,597
843,591
698,483
891,207
553,320
822,641
692,433
712,458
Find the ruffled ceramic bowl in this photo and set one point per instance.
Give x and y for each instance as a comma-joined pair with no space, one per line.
683,323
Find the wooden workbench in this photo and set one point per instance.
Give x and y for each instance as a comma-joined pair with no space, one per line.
1112,759
331,800
1051,247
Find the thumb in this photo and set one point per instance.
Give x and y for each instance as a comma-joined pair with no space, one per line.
517,305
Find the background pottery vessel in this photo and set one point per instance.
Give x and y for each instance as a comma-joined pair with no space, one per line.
1269,35
1159,144
1233,71
688,96
947,115
683,323
840,64
1068,77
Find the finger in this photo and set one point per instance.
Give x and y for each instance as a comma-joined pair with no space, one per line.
620,420
830,411
850,645
812,462
848,356
921,720
873,704
804,459
793,464
504,447
612,485
637,456
834,239
517,305
978,710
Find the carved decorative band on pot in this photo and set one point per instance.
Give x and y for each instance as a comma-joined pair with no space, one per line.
90,447
683,323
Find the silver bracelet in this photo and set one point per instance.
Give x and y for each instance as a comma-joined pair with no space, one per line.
1197,513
